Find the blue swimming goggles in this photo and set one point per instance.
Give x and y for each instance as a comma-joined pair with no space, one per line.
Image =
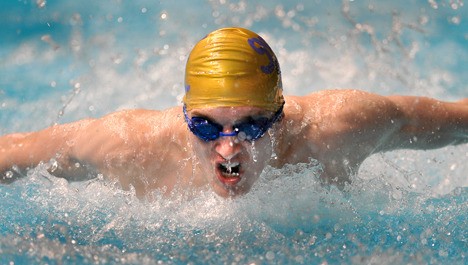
250,130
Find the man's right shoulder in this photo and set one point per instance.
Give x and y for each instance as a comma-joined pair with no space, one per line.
141,126
141,117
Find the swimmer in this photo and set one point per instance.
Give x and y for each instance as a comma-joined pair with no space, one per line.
234,122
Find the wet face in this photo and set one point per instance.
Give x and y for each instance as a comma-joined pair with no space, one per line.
231,164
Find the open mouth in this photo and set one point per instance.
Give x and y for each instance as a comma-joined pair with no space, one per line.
229,173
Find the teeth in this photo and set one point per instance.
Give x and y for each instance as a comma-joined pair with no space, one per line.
229,166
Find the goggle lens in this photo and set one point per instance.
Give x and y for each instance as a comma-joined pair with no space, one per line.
250,130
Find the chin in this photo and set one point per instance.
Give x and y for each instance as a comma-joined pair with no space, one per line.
228,185
230,191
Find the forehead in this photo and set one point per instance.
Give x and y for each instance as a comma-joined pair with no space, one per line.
230,114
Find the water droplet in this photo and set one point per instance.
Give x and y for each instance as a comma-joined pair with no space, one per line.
299,259
312,240
53,165
9,174
254,152
241,136
453,166
270,255
397,195
455,20
41,3
443,253
117,59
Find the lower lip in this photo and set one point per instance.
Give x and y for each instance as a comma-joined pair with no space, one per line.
228,181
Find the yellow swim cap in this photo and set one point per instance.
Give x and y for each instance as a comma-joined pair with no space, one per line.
233,67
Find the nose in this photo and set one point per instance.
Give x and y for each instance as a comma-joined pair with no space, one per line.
227,147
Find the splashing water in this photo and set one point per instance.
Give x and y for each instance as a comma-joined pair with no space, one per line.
288,217
90,58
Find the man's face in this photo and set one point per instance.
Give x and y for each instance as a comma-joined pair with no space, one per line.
229,164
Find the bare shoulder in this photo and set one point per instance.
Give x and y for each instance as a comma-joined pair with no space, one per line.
332,99
128,132
142,116
129,144
334,122
348,106
141,125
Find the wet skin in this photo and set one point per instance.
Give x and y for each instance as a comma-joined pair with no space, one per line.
150,150
230,164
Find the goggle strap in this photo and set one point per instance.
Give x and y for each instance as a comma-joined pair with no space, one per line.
233,133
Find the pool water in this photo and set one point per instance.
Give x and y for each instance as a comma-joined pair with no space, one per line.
65,60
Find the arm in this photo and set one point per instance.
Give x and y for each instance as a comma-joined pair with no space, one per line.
428,123
79,148
22,151
141,148
344,127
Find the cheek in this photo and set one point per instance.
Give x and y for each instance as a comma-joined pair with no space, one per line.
202,150
260,152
